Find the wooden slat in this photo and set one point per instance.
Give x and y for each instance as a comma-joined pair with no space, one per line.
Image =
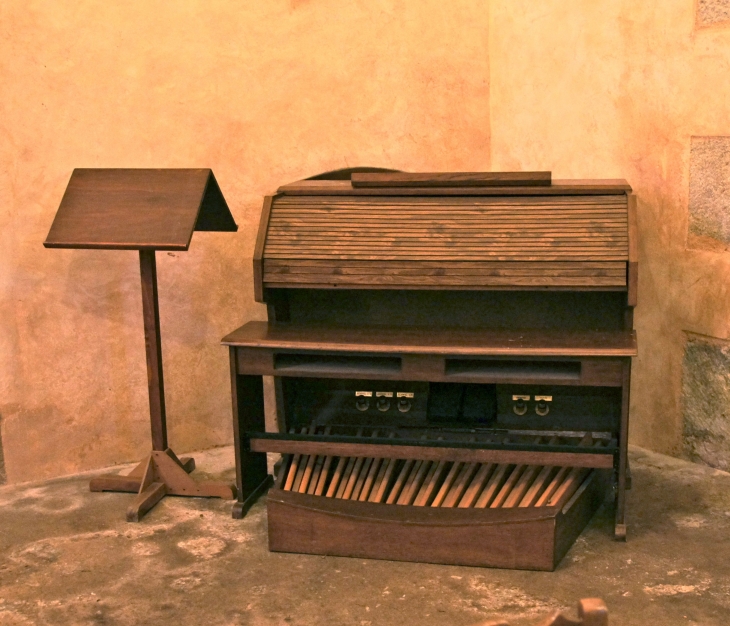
431,483
444,207
543,478
514,232
450,179
307,475
375,475
506,489
352,479
381,225
467,265
299,246
477,484
293,468
336,477
299,279
447,484
452,279
451,200
606,231
480,244
334,268
553,486
460,484
345,273
324,275
547,255
537,270
447,213
346,473
360,483
403,218
370,480
455,204
413,483
316,473
400,481
322,465
379,478
354,485
492,487
521,487
381,486
569,486
319,489
282,273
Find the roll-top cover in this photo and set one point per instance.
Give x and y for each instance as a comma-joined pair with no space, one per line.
336,234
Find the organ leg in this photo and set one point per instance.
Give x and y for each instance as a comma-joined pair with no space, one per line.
252,477
623,462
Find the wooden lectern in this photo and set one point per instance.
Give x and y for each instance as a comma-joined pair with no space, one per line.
145,210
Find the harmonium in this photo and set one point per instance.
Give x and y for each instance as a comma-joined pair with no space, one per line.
451,357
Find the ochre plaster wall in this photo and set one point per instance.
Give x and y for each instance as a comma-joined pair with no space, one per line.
262,92
268,92
617,88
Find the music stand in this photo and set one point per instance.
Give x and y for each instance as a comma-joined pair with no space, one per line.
145,210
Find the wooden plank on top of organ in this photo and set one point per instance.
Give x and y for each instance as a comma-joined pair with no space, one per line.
451,179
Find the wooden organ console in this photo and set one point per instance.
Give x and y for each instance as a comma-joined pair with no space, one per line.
451,356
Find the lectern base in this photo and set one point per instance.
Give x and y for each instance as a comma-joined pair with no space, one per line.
160,474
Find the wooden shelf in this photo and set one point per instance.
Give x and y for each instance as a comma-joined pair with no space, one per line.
418,341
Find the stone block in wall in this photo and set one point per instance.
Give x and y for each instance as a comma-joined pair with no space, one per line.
711,12
706,401
709,193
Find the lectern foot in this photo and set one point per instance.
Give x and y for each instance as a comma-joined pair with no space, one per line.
145,501
159,475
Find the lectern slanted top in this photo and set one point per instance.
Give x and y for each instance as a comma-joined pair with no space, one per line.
145,210
138,209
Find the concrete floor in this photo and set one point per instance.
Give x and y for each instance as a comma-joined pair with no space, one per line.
68,557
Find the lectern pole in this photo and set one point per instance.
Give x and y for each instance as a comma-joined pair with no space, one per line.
153,348
162,473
